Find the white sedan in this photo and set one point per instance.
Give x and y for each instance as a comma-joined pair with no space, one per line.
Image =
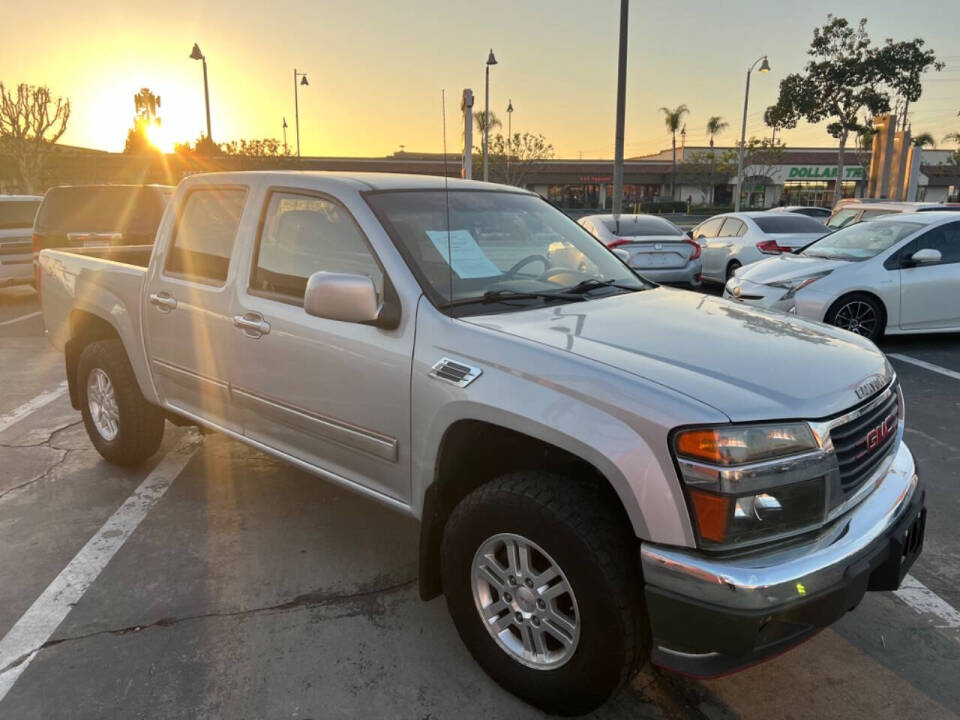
732,240
897,274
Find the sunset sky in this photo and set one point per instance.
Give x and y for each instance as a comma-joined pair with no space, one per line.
376,69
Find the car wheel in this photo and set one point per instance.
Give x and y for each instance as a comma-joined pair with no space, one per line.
122,425
858,313
541,579
732,267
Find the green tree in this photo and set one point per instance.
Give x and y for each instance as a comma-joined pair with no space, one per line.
259,148
848,75
31,122
715,126
923,140
672,119
145,105
480,120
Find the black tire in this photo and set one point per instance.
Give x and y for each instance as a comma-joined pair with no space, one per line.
594,546
139,425
859,313
732,267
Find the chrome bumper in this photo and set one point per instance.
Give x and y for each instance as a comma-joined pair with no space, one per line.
772,580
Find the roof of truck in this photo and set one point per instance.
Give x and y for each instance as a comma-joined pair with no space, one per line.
356,180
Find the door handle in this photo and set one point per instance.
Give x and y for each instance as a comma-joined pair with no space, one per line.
252,324
163,301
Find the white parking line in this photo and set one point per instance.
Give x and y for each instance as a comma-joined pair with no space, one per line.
21,318
925,365
40,621
926,602
44,398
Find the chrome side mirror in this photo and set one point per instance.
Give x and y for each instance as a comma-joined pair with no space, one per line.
341,296
925,257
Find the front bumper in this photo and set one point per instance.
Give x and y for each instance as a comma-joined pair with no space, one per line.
713,615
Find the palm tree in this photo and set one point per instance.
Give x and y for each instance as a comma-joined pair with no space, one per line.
952,138
924,139
480,118
715,126
672,119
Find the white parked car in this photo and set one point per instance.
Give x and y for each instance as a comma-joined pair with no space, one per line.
817,213
17,213
896,274
732,240
656,248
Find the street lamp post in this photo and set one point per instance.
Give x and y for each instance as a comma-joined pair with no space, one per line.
491,60
195,54
284,135
296,102
621,109
509,134
764,67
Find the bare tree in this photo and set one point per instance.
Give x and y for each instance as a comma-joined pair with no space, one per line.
31,122
525,153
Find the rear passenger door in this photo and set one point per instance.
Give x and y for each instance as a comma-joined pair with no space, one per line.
334,395
930,293
705,233
187,316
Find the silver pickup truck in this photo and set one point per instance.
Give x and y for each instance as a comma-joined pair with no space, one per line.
606,472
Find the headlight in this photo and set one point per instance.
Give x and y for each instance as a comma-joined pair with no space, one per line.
748,484
797,284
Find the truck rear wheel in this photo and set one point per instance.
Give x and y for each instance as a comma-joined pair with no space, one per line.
122,425
541,579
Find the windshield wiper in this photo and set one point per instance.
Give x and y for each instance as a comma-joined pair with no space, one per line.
492,296
585,286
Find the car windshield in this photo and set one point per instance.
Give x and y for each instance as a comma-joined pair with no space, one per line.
638,226
788,223
102,209
507,248
861,241
18,214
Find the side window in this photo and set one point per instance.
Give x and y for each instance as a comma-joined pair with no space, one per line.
303,234
709,229
946,239
205,234
733,228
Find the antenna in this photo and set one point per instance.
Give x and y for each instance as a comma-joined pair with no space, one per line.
446,195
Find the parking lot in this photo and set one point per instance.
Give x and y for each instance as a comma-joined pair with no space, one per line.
244,588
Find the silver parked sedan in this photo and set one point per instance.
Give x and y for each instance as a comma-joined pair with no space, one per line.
658,249
17,213
732,240
897,274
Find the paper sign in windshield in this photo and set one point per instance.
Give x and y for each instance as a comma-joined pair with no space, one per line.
469,260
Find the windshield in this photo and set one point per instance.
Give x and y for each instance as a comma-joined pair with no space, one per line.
788,223
102,209
638,226
18,214
861,241
501,244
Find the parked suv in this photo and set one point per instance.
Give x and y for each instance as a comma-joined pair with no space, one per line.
114,216
16,223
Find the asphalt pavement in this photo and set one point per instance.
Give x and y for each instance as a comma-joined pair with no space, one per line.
220,583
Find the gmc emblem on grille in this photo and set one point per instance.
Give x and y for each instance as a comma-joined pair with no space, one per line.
881,432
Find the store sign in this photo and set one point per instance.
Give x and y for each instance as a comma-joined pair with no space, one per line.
594,179
823,172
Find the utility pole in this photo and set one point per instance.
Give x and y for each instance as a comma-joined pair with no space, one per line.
621,111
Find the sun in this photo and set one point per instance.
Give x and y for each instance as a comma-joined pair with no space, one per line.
159,138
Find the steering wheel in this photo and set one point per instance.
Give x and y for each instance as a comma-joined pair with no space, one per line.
526,261
572,275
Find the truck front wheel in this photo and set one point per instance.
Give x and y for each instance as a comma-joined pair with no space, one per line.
541,579
122,425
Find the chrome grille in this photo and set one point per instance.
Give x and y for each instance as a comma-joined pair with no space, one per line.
861,444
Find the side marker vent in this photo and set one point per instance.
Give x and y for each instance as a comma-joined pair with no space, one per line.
453,372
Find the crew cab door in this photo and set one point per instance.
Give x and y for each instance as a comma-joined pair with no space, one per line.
187,316
930,293
333,394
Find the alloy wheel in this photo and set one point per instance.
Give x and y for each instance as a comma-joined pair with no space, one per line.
102,401
857,316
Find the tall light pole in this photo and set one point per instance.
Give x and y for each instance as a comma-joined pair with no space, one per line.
509,134
284,135
296,102
621,108
764,67
491,60
195,54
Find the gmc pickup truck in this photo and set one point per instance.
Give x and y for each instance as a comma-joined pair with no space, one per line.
606,472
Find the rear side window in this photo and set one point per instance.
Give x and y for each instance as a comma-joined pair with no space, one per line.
205,234
18,214
304,234
788,223
733,228
709,229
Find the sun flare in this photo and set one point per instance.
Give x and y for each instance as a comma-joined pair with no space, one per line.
159,138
